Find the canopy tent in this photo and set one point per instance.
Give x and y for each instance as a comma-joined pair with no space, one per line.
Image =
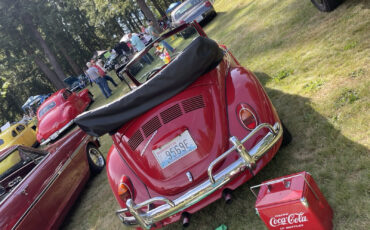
124,38
100,52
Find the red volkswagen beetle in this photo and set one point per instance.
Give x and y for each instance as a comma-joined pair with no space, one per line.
38,187
191,132
56,114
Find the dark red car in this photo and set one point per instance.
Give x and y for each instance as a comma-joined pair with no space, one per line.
56,114
198,128
37,187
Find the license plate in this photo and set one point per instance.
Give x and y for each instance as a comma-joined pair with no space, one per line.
175,150
199,18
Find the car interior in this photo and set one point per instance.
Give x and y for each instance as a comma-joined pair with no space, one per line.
15,165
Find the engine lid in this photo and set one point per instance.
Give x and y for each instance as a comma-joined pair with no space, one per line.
171,146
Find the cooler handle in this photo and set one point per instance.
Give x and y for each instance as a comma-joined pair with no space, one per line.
283,180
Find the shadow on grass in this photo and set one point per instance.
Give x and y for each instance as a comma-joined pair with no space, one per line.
338,165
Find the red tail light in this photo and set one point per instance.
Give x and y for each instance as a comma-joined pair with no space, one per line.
207,4
246,116
125,189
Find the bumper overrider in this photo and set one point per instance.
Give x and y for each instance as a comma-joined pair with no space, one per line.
246,160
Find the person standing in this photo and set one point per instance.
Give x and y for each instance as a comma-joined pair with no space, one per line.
155,34
93,74
103,73
90,80
139,45
162,53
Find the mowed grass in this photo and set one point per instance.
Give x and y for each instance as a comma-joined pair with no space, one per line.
315,68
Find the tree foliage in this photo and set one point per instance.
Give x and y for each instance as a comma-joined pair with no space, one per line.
44,41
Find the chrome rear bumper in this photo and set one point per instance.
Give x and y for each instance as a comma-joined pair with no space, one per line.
246,160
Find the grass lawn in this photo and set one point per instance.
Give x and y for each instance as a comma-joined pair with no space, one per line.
315,67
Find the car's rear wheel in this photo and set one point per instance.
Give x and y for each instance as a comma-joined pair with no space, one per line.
95,159
326,5
287,136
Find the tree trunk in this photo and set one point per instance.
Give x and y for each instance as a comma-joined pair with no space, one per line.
137,17
148,13
137,25
130,21
53,78
128,24
51,57
159,8
87,35
76,69
167,3
118,27
95,41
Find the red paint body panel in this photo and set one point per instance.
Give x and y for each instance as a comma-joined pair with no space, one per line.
116,167
210,138
222,89
63,112
293,202
42,199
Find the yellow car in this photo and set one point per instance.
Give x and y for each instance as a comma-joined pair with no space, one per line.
19,134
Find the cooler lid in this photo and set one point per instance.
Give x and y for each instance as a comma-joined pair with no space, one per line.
281,190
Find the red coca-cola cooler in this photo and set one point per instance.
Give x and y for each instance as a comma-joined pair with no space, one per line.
293,202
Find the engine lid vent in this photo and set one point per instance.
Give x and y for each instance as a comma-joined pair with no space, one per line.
151,126
193,103
167,116
135,140
171,113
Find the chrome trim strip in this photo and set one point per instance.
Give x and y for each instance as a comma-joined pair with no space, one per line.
146,145
246,160
57,133
59,171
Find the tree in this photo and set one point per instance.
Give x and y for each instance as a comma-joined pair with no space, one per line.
42,41
148,14
158,7
28,21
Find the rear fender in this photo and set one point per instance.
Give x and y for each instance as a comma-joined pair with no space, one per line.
69,112
116,168
84,94
243,87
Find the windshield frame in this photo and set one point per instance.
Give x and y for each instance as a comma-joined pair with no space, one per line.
163,36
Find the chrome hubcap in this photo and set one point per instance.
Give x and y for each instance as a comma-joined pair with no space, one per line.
96,157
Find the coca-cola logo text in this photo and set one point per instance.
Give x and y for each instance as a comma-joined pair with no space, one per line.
294,218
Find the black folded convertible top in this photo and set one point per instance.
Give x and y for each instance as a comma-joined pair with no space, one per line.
199,57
